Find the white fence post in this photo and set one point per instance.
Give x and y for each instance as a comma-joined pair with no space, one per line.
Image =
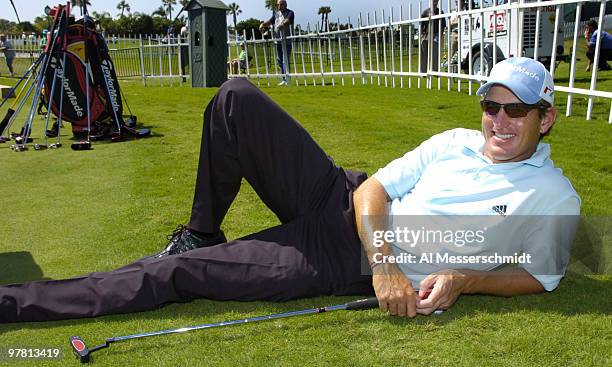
142,67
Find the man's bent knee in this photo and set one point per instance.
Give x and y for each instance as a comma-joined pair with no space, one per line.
239,86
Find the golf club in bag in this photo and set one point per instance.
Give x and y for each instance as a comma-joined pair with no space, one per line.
10,112
23,137
25,76
10,119
85,145
58,124
83,352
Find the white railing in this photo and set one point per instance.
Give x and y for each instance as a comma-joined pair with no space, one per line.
160,58
384,49
164,58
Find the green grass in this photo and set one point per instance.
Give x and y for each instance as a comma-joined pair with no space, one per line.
66,213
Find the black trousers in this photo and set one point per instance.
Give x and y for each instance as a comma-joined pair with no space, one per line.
315,251
605,55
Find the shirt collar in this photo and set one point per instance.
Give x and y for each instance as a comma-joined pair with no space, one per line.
538,158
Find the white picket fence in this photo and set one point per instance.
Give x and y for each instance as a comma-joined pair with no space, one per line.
383,49
162,59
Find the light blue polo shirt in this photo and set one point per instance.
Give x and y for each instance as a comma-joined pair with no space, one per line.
448,175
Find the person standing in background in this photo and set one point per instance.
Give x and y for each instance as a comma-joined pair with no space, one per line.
605,50
282,20
9,52
437,24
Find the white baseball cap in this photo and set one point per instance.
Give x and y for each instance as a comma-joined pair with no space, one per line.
528,79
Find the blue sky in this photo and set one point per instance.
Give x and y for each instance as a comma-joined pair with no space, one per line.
305,10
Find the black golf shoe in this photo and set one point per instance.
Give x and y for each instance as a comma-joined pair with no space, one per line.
182,239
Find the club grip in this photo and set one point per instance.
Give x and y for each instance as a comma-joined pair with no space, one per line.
362,304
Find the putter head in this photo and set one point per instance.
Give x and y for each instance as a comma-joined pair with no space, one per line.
97,137
131,121
21,140
79,348
81,145
135,133
116,137
40,147
19,147
51,133
55,145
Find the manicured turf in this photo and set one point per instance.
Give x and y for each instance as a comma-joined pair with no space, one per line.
66,213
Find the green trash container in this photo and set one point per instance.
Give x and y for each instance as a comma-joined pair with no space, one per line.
207,42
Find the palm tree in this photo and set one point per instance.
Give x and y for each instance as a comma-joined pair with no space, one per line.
234,9
160,12
168,4
324,12
78,3
101,15
271,4
123,5
103,19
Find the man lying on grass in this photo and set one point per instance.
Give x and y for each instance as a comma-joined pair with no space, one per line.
329,215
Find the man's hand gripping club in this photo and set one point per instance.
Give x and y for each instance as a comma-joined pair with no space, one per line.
393,290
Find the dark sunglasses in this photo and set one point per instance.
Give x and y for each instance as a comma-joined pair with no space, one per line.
513,110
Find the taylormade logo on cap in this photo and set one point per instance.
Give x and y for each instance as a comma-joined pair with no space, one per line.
526,78
526,72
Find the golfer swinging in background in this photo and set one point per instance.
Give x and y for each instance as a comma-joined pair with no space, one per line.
329,215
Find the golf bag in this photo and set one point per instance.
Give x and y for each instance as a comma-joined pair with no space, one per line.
105,103
76,80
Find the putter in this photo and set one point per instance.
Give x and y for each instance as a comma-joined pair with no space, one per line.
87,144
131,119
137,133
20,139
51,94
83,353
19,147
54,62
124,128
81,145
39,81
58,144
117,135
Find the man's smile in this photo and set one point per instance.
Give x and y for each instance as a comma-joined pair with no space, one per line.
503,137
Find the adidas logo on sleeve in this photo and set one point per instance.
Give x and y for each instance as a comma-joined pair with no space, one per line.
500,209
